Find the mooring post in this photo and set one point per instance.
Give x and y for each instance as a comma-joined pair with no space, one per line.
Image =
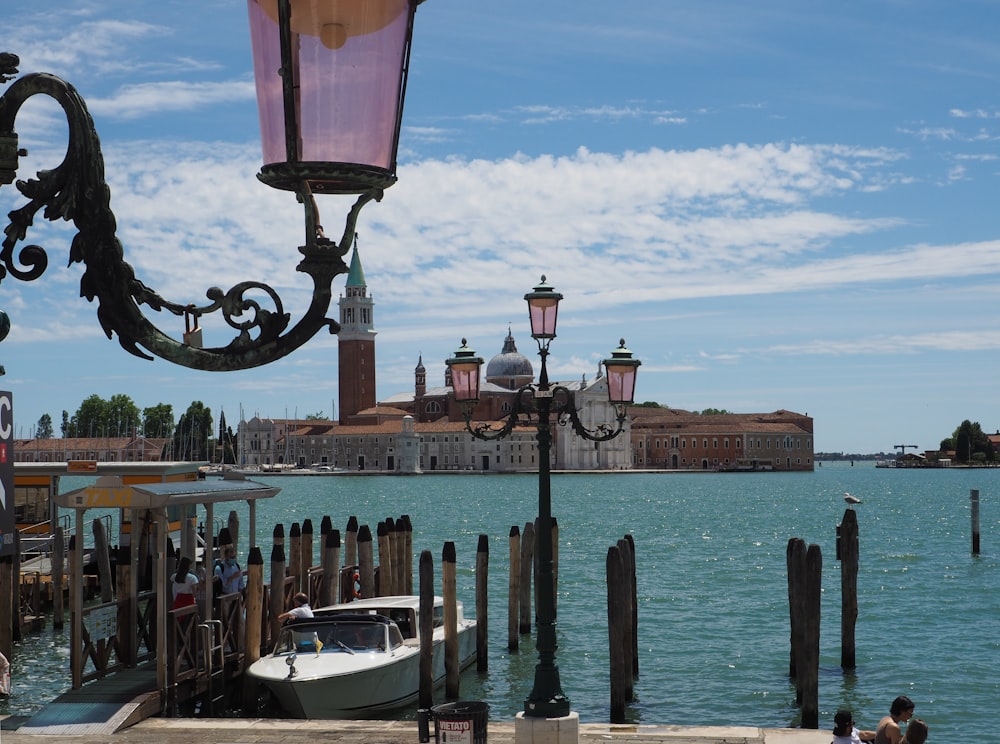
813,594
974,503
366,561
331,555
306,556
795,562
351,542
449,591
848,552
407,528
385,580
513,587
425,627
254,628
295,555
527,577
625,617
634,599
276,600
482,603
58,577
615,570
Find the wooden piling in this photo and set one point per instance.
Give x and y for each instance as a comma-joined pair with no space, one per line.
233,524
254,631
513,587
329,587
407,554
425,625
625,616
974,504
103,555
634,600
306,556
295,555
527,578
58,577
127,640
397,546
849,554
617,594
384,559
449,591
813,593
351,542
276,599
795,561
366,561
482,603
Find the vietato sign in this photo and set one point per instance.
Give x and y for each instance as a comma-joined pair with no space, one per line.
455,732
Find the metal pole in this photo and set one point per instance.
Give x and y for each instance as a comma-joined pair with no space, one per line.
547,699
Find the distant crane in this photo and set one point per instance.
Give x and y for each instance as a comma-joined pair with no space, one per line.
903,447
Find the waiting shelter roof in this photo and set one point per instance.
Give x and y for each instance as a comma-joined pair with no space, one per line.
111,492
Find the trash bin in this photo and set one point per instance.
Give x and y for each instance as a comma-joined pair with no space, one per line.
463,722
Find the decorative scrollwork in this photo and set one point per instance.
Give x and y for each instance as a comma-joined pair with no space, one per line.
76,191
534,404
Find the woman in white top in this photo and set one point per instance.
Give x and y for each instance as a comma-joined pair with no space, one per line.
184,584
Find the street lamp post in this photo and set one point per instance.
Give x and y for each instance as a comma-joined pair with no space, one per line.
541,402
331,78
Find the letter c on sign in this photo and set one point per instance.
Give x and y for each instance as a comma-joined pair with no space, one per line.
6,417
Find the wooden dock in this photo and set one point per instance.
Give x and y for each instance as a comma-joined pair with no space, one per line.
105,706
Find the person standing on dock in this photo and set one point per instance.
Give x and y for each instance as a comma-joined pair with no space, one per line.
229,573
184,584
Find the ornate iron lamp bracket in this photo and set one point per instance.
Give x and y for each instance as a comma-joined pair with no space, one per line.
564,407
76,191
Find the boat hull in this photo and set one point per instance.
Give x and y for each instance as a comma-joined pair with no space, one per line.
331,684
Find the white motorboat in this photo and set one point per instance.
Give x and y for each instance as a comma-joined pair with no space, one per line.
358,659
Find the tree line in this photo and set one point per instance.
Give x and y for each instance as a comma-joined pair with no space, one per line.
189,438
969,443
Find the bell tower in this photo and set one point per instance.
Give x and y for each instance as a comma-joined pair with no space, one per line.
356,343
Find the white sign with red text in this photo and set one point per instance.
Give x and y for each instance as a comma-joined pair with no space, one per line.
455,732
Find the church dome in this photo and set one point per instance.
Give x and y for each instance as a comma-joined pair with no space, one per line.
509,368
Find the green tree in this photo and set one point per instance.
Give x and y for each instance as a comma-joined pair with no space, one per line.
650,404
65,426
318,416
158,420
714,412
123,416
970,439
193,435
44,430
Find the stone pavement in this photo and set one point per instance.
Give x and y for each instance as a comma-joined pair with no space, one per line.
278,731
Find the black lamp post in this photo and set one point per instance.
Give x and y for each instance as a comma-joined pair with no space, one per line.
539,402
331,77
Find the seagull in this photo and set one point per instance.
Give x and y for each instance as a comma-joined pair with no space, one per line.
852,500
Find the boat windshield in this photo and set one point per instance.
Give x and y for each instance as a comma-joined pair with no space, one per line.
343,637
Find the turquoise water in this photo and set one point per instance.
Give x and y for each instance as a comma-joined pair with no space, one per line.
712,585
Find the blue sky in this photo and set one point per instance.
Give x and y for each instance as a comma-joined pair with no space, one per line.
778,204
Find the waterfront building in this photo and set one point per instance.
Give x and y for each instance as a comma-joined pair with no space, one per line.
136,448
673,439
